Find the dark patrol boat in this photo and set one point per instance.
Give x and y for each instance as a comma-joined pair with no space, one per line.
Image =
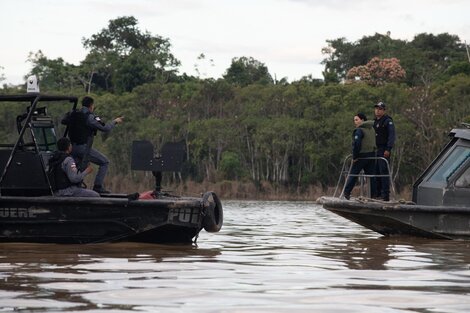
30,213
440,207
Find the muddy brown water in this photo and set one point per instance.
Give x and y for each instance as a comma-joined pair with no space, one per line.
269,257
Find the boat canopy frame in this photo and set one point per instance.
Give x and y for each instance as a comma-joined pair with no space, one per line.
33,99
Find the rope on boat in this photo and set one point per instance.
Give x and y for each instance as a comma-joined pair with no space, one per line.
363,199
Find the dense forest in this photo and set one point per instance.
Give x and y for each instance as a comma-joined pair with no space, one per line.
247,129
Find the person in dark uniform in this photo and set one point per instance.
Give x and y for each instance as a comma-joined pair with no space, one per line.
385,139
65,178
363,147
83,124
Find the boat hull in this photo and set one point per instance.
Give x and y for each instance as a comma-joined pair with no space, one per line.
94,220
398,219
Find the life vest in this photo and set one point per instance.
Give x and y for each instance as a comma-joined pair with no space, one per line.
368,141
79,131
381,130
57,176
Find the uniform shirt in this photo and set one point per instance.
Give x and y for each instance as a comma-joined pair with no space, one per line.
385,132
76,177
70,168
94,122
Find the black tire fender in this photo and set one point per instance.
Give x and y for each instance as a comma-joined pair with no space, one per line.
213,212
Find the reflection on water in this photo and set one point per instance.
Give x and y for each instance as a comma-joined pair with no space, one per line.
269,257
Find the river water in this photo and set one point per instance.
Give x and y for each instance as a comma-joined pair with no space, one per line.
268,257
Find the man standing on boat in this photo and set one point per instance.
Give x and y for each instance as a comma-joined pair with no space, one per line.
363,153
83,124
65,178
385,139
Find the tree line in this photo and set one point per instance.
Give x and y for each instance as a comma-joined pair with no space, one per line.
249,127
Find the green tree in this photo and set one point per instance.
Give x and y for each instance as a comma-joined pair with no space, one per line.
136,69
462,67
230,165
126,51
336,63
53,74
424,59
244,71
342,55
428,57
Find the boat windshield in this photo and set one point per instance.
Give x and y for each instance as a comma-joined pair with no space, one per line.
464,180
451,164
46,138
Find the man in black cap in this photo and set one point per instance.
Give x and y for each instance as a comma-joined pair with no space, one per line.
83,125
384,139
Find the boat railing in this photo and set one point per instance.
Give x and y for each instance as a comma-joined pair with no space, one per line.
362,177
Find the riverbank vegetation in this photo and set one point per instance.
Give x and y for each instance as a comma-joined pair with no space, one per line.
249,135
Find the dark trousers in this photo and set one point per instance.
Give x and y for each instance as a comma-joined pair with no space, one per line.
368,165
383,183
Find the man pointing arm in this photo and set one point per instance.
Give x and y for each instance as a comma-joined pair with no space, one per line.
83,125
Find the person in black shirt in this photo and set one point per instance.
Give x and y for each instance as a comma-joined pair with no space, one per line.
83,125
385,140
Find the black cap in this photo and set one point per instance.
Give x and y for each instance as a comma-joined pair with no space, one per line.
380,105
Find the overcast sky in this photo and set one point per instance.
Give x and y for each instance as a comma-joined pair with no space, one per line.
285,35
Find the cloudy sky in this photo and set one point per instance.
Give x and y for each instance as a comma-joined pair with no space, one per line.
286,35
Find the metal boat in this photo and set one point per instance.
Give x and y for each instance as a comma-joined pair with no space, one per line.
29,212
440,207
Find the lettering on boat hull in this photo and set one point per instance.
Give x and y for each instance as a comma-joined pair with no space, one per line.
13,213
17,213
183,216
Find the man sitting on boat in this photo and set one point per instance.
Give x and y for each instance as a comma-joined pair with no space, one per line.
65,178
363,153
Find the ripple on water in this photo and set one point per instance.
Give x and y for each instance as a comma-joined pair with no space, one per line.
269,257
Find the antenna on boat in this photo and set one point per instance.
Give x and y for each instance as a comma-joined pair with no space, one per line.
32,84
